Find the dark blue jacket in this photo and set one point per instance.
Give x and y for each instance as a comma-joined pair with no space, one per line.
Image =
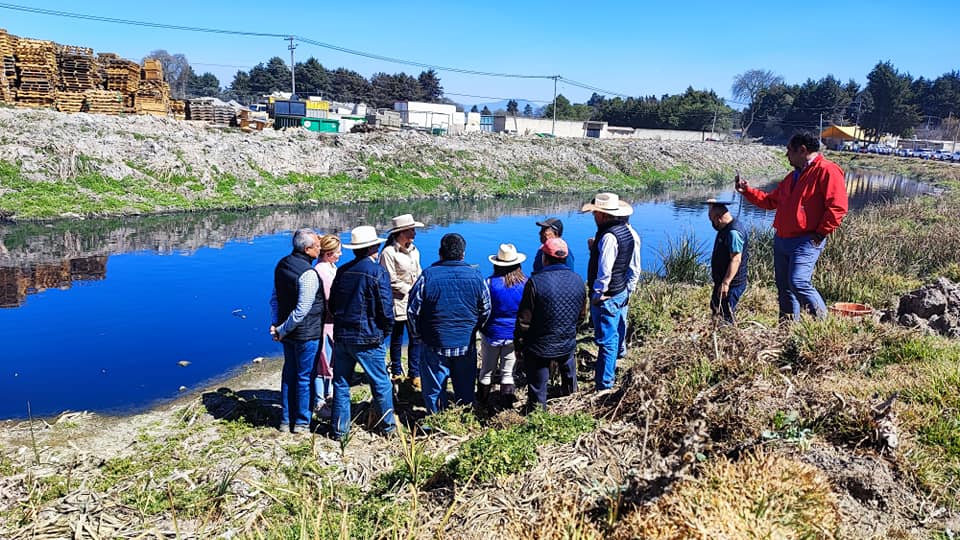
450,304
504,302
553,305
361,303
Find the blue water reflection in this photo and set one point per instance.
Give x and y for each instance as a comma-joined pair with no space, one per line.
100,312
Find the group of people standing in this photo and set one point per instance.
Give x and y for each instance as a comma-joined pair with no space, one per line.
331,318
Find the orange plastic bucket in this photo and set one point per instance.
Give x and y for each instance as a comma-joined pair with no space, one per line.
850,309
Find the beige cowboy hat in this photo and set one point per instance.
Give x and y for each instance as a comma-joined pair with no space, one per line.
363,236
507,256
608,203
402,223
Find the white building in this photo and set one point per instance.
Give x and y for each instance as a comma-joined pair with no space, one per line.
430,115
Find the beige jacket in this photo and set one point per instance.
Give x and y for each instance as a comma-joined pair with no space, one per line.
403,265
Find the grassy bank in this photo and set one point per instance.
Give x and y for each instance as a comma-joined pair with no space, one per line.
94,194
822,429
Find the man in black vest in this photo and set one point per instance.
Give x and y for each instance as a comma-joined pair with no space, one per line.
612,274
554,303
297,306
728,265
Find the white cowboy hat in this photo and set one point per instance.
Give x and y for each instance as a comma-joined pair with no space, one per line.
363,236
402,223
608,203
507,256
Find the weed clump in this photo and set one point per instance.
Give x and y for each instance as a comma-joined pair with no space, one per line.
760,496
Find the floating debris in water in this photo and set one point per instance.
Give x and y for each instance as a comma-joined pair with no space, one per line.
258,360
183,363
182,389
238,313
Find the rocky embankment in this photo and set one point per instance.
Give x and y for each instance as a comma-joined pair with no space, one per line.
142,164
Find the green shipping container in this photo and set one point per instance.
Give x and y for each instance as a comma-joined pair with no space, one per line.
324,125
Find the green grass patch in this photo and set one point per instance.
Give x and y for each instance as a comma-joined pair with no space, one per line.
512,450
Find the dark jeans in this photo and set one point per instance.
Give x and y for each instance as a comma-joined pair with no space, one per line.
396,351
726,307
793,262
461,371
538,375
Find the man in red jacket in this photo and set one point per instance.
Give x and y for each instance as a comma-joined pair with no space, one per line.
810,203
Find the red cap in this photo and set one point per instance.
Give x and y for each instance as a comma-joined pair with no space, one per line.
556,248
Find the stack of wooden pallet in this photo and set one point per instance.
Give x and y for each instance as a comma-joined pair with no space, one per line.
103,101
153,97
179,109
213,111
8,71
79,72
36,72
152,70
121,75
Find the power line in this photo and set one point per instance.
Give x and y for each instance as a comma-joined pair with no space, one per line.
419,64
115,20
497,98
74,15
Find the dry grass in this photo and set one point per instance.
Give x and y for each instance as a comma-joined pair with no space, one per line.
760,496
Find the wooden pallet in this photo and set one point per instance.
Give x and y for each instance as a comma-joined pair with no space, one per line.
70,101
103,101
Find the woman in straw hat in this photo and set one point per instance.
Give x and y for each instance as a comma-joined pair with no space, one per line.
401,259
496,347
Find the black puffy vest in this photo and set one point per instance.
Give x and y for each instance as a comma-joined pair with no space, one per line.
559,297
285,277
625,247
720,260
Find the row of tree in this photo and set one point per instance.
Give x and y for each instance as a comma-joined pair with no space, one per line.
891,102
313,79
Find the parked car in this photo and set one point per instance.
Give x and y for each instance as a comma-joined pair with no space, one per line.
941,155
956,156
925,153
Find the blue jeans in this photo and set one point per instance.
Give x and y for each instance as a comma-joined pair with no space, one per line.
437,369
727,307
298,359
609,329
396,351
372,359
793,262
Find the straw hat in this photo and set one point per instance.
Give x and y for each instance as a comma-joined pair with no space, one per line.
507,256
363,236
402,223
712,201
608,203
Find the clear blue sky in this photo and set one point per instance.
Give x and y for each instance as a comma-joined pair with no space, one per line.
631,47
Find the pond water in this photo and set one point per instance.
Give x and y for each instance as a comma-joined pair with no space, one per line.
98,314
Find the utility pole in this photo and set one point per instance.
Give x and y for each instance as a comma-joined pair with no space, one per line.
713,127
820,134
553,130
293,69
